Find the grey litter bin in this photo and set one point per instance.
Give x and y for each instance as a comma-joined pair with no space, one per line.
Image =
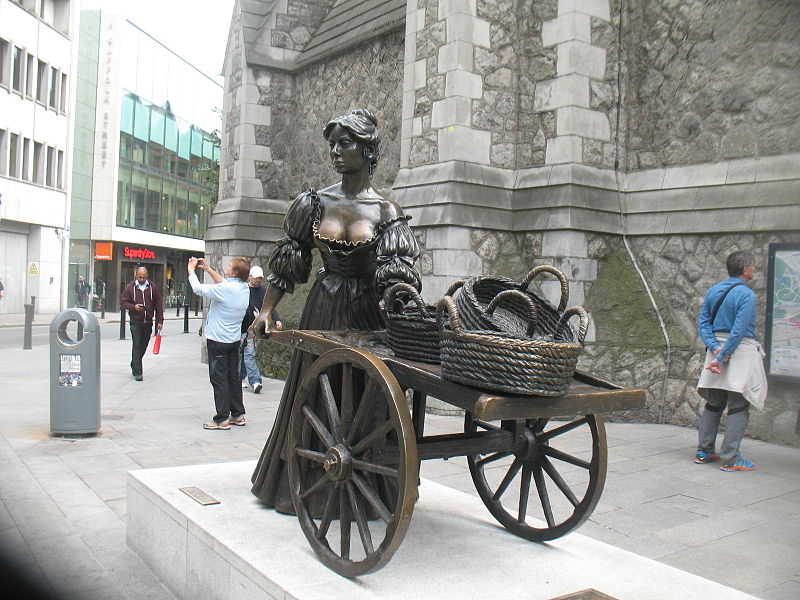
74,373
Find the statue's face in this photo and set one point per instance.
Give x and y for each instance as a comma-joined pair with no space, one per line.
346,153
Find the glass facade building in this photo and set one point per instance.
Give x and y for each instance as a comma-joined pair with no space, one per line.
163,166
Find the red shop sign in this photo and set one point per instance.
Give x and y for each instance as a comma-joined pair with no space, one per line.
140,253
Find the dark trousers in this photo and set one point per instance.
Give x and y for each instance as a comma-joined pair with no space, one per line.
140,334
223,371
738,416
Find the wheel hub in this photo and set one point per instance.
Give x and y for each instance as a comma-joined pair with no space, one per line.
528,446
338,463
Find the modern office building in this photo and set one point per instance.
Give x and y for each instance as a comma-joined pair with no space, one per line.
144,143
36,82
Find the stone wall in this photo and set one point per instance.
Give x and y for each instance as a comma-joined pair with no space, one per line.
368,76
711,80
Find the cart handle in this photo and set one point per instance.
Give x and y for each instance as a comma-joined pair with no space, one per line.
391,295
553,271
506,295
584,318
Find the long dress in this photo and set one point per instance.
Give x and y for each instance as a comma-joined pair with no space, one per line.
344,296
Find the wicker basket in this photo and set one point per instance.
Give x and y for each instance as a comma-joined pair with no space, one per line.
476,294
410,326
508,363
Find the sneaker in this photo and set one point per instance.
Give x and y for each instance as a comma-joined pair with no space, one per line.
244,383
702,457
138,377
239,421
740,465
257,388
214,425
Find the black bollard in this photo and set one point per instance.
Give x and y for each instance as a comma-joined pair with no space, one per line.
185,318
196,305
26,338
178,311
122,324
102,308
33,301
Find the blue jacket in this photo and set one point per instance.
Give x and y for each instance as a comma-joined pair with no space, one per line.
736,316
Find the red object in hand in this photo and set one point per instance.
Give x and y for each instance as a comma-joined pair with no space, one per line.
157,344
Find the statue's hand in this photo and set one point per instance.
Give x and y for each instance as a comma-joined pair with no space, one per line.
261,326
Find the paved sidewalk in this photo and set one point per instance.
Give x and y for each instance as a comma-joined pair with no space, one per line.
44,319
63,507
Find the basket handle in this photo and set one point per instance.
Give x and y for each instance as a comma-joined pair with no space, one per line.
584,326
454,288
553,271
501,296
448,304
391,294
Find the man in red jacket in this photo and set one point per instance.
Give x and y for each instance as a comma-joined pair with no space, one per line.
142,299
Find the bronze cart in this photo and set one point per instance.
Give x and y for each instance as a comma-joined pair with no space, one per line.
356,447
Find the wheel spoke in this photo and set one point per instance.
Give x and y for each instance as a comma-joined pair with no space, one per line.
549,435
539,425
524,492
317,457
373,468
347,396
374,437
327,514
372,498
543,495
491,458
314,488
363,410
344,523
558,480
330,406
563,456
319,427
512,472
361,520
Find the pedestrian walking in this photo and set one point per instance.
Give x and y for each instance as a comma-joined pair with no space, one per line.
733,374
144,303
248,367
82,291
229,297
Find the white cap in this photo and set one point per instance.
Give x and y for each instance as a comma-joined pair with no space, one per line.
256,271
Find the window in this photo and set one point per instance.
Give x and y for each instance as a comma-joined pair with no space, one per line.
19,69
14,156
30,79
3,151
124,196
54,81
5,57
64,93
51,167
41,80
38,163
60,170
26,159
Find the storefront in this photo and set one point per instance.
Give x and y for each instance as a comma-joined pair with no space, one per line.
115,264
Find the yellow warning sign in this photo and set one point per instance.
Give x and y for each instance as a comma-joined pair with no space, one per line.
33,269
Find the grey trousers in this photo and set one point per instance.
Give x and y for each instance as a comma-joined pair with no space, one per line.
738,416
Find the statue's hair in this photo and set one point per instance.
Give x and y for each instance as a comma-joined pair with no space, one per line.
363,125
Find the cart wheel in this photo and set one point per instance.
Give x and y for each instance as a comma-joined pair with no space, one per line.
568,480
353,458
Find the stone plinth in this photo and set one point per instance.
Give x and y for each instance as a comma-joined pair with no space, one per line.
238,550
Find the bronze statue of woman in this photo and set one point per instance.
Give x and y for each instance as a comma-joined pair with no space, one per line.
366,246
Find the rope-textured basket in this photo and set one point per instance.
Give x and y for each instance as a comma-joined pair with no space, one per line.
507,363
410,327
478,292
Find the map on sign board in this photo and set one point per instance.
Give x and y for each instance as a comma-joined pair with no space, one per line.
783,311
